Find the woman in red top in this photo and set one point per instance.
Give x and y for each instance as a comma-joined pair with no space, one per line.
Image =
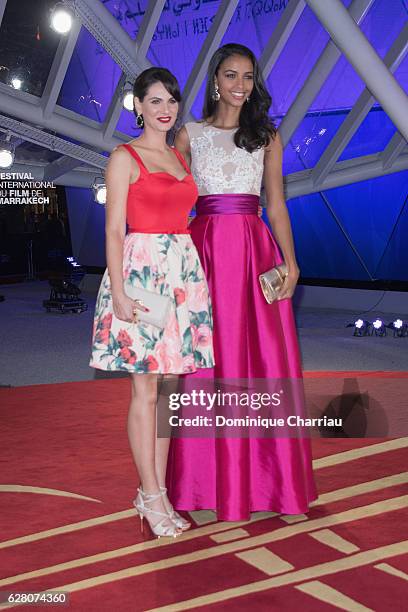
150,187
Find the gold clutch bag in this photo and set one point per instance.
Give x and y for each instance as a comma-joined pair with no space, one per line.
272,280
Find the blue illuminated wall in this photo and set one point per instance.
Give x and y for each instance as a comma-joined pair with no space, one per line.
353,232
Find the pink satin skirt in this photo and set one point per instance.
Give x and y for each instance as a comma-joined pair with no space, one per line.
252,339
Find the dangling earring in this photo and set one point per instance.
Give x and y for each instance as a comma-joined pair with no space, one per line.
216,94
139,120
248,98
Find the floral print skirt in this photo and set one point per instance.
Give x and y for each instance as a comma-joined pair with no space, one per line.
169,265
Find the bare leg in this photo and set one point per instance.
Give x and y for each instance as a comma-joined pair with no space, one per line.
142,438
142,427
167,385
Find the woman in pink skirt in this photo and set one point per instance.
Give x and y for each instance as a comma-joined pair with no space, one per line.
230,151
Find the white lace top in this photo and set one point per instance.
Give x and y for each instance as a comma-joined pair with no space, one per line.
218,165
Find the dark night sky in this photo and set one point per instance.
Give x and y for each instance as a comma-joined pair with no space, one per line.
27,43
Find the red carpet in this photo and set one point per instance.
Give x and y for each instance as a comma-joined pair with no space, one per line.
66,485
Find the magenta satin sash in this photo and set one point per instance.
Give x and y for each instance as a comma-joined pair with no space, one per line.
227,204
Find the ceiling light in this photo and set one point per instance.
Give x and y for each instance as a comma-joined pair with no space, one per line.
61,18
19,77
16,83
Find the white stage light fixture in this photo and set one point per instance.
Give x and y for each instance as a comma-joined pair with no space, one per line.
361,328
379,328
399,328
99,190
61,18
7,151
127,97
128,101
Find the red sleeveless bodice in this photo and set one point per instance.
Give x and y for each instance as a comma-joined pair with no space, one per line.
159,203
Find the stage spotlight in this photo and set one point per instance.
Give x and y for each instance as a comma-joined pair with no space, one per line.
399,328
128,97
379,328
361,328
99,190
7,150
64,297
61,18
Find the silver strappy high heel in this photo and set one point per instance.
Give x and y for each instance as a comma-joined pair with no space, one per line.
175,516
165,527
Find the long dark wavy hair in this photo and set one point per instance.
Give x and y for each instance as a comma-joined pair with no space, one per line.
255,126
156,75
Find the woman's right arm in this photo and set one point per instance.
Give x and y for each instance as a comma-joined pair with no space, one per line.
182,144
117,177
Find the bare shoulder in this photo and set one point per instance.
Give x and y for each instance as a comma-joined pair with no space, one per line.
274,144
182,140
182,133
119,154
119,163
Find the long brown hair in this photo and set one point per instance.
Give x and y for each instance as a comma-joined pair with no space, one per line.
255,125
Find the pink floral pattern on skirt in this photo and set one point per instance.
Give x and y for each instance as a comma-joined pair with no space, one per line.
169,265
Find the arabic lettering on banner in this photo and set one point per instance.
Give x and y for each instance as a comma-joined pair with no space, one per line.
197,24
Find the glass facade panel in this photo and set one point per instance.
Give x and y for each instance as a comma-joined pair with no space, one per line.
27,45
91,79
371,217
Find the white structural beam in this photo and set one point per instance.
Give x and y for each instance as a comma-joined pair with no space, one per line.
280,36
296,184
367,63
344,173
318,76
2,9
211,43
41,138
58,69
358,113
63,121
394,148
103,26
147,27
59,167
143,40
115,108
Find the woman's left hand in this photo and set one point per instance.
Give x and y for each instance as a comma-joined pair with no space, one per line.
289,285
